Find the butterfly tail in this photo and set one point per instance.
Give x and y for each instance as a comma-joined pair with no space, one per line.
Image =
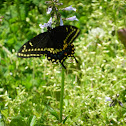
63,65
75,59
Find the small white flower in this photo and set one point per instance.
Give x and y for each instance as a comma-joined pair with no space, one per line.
72,18
61,22
11,73
49,10
26,67
69,8
117,95
108,99
48,24
96,32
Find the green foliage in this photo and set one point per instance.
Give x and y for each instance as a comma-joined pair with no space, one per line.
30,88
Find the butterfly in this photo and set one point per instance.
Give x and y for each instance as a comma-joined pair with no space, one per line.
56,43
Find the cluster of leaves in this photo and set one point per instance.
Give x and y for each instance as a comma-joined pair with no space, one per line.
30,88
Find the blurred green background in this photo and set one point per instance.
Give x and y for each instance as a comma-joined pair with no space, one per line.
30,88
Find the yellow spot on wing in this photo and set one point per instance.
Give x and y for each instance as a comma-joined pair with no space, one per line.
61,60
30,44
49,57
65,46
24,46
51,49
45,49
57,60
53,60
66,29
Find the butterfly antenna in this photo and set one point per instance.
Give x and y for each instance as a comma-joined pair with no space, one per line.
75,59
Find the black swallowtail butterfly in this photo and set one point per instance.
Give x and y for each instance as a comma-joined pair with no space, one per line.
56,44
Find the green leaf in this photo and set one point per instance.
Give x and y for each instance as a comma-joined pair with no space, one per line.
16,121
33,121
65,120
4,113
53,112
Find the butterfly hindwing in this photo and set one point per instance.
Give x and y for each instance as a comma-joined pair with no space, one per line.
62,55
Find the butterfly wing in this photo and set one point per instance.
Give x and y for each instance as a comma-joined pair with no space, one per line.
35,47
53,41
61,55
56,43
62,36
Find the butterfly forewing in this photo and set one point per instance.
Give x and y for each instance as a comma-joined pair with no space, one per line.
35,47
64,35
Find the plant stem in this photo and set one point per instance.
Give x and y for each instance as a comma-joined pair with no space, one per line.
61,94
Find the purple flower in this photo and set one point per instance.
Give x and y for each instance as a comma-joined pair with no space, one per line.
72,18
120,103
69,8
48,24
49,10
108,99
61,22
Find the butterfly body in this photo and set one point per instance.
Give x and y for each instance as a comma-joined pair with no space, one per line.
56,44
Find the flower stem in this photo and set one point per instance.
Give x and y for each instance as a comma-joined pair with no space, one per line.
61,95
